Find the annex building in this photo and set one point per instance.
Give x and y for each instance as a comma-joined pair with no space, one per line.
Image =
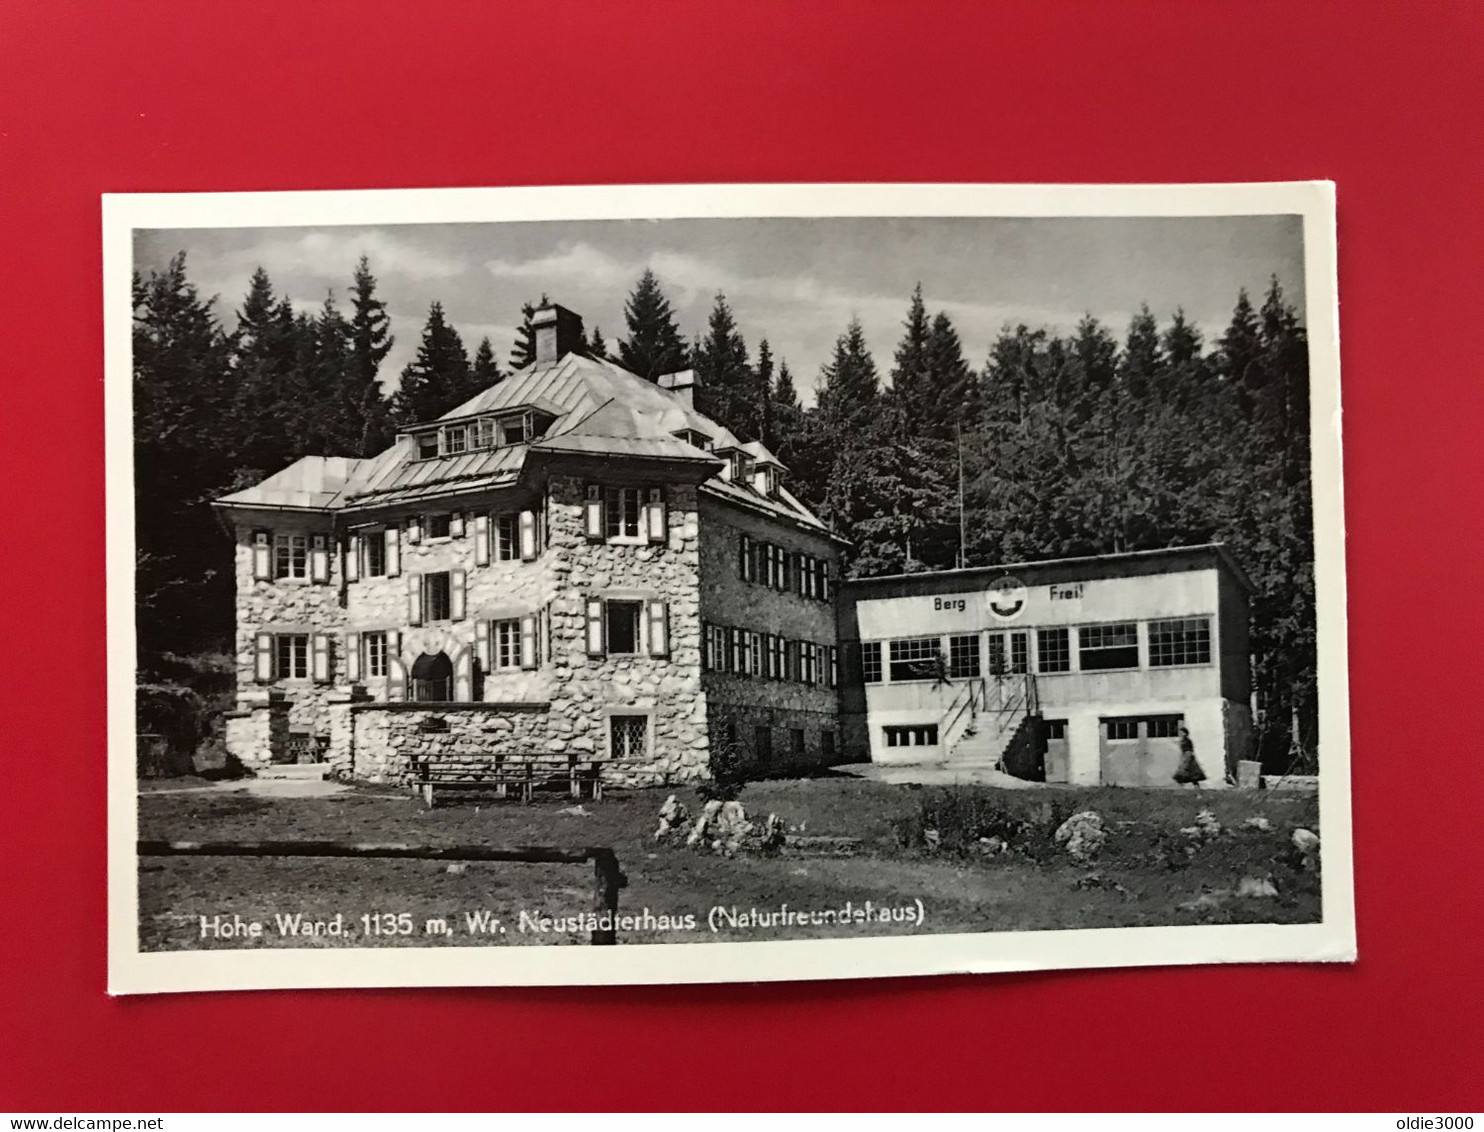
576,564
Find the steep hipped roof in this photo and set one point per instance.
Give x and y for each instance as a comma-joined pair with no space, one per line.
598,409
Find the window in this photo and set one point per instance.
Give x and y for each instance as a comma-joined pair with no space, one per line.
796,738
914,735
482,433
374,646
515,430
440,526
763,738
427,446
1056,730
1103,647
505,644
291,656
373,553
716,648
741,467
437,601
507,538
777,658
628,736
1020,662
1181,640
1163,726
963,656
290,556
1053,652
621,626
455,439
1122,729
914,658
699,439
621,507
754,654
871,662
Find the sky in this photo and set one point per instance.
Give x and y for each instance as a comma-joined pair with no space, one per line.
796,282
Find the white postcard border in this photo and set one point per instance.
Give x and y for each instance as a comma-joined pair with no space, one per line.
132,971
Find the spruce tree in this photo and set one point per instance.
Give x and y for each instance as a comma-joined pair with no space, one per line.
333,424
485,370
724,381
596,347
268,355
654,345
786,419
763,396
1143,354
910,375
370,342
187,436
951,387
1240,355
439,378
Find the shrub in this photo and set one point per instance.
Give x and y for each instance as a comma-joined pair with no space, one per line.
954,819
728,771
171,720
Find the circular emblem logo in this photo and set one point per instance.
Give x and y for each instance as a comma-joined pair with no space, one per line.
1006,599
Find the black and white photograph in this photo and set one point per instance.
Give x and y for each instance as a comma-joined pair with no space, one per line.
711,583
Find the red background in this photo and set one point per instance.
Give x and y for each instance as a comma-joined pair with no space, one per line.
1382,98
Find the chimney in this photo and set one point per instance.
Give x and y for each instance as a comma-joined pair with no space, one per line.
558,332
682,384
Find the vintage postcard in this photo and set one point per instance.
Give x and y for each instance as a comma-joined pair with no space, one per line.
708,583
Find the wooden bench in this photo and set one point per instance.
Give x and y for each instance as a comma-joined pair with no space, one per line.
523,772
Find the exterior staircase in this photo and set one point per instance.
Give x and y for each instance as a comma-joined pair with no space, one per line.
985,718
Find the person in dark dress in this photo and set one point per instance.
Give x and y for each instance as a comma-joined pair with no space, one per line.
1189,771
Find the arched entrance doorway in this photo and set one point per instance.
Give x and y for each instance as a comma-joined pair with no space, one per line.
432,678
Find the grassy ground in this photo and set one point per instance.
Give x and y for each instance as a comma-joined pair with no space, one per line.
1149,872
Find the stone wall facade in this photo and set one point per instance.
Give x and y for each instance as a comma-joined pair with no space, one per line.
386,737
740,705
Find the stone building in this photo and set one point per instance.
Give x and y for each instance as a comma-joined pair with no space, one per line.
574,562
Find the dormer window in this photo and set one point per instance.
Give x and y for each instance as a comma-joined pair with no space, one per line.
455,440
765,480
427,446
741,467
515,430
484,433
698,439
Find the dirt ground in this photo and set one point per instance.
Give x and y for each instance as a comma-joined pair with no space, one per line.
1149,872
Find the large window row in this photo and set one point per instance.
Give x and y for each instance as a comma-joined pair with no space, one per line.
790,571
768,656
520,427
1107,647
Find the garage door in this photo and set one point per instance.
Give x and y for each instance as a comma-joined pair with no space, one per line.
1141,750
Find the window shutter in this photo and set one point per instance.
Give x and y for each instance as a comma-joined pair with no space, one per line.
414,599
396,675
834,666
263,658
594,626
705,647
321,658
414,530
262,556
319,558
353,658
747,562
528,658
393,536
456,525
594,513
659,530
482,539
659,628
482,645
352,568
528,536
463,677
824,581
457,588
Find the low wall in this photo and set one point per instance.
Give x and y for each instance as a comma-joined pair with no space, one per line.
258,731
384,737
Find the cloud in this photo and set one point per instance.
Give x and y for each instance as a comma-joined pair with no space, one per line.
322,251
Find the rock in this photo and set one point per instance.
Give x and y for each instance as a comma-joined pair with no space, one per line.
933,839
576,811
457,868
1306,842
1259,823
703,823
1206,822
673,815
1256,887
993,846
1082,834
